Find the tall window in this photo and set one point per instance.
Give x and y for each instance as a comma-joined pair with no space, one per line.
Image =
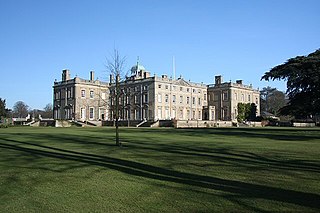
199,101
68,93
216,97
103,94
136,99
91,94
57,95
193,100
173,113
249,98
83,113
225,96
166,99
174,98
159,98
181,99
159,113
205,97
167,113
145,98
91,113
83,93
188,100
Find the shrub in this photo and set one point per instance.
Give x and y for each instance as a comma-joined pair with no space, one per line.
4,125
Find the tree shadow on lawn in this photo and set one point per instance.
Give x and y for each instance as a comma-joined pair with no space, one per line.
226,155
241,189
274,133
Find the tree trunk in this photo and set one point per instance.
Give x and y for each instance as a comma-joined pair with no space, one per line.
118,143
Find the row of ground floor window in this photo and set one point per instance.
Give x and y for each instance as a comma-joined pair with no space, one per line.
145,113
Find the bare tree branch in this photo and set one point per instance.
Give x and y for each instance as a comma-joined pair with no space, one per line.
115,65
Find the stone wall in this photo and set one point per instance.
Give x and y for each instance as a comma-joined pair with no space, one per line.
201,124
62,123
304,124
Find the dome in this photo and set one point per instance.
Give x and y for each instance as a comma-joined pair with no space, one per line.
137,68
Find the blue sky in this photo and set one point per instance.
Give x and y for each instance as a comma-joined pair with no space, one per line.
238,39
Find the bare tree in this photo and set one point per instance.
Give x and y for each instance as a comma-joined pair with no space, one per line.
115,65
20,109
48,111
272,100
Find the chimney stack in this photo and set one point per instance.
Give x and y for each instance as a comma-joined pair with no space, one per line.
218,79
239,81
92,75
65,75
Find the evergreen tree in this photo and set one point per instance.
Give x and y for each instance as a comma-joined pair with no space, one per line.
3,110
302,74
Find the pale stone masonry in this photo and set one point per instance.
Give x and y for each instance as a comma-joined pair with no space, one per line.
80,99
145,97
151,98
224,98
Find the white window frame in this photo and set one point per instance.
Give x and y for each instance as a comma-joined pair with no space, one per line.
159,113
91,117
145,98
166,98
225,96
83,113
83,93
159,98
103,95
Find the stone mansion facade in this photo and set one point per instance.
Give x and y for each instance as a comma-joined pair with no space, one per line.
152,98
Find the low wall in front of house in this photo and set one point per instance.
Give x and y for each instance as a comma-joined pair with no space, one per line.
62,123
304,124
201,124
254,124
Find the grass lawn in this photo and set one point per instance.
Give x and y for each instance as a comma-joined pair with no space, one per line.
159,170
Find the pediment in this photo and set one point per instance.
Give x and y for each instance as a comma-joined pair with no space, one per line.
182,82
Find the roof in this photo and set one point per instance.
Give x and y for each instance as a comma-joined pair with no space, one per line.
137,68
